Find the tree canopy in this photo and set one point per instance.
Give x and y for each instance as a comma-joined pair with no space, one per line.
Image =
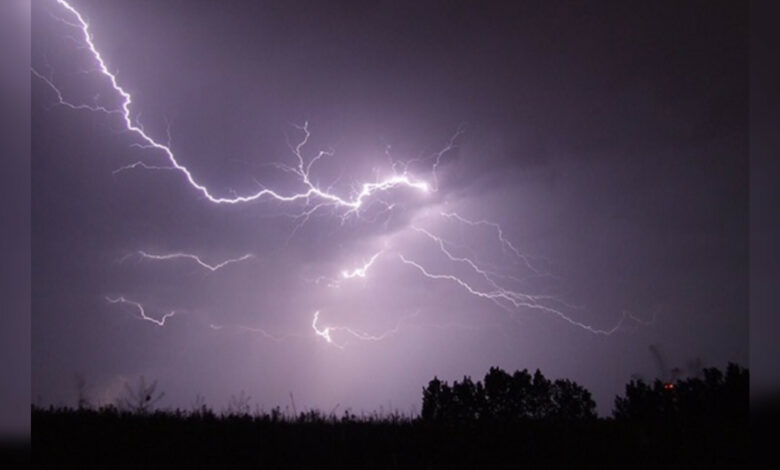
507,397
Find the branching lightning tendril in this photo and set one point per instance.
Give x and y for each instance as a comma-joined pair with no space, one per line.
326,332
195,258
141,311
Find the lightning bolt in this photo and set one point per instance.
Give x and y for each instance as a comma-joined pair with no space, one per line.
302,170
141,311
361,272
346,274
513,298
436,157
499,295
505,243
197,259
486,274
63,102
143,165
325,332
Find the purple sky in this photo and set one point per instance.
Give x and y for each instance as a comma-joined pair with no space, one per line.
609,142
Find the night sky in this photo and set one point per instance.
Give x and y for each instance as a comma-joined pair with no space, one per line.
609,142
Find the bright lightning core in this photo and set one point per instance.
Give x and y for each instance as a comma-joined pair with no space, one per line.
361,272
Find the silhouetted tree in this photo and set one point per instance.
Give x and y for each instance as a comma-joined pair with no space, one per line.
141,399
464,400
713,397
522,400
507,397
540,399
643,401
498,393
431,406
571,401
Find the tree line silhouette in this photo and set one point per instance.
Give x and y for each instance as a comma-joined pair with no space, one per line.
521,396
502,421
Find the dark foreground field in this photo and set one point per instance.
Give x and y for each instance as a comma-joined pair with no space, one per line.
518,420
111,439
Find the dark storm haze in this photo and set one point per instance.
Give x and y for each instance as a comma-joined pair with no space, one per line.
608,140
